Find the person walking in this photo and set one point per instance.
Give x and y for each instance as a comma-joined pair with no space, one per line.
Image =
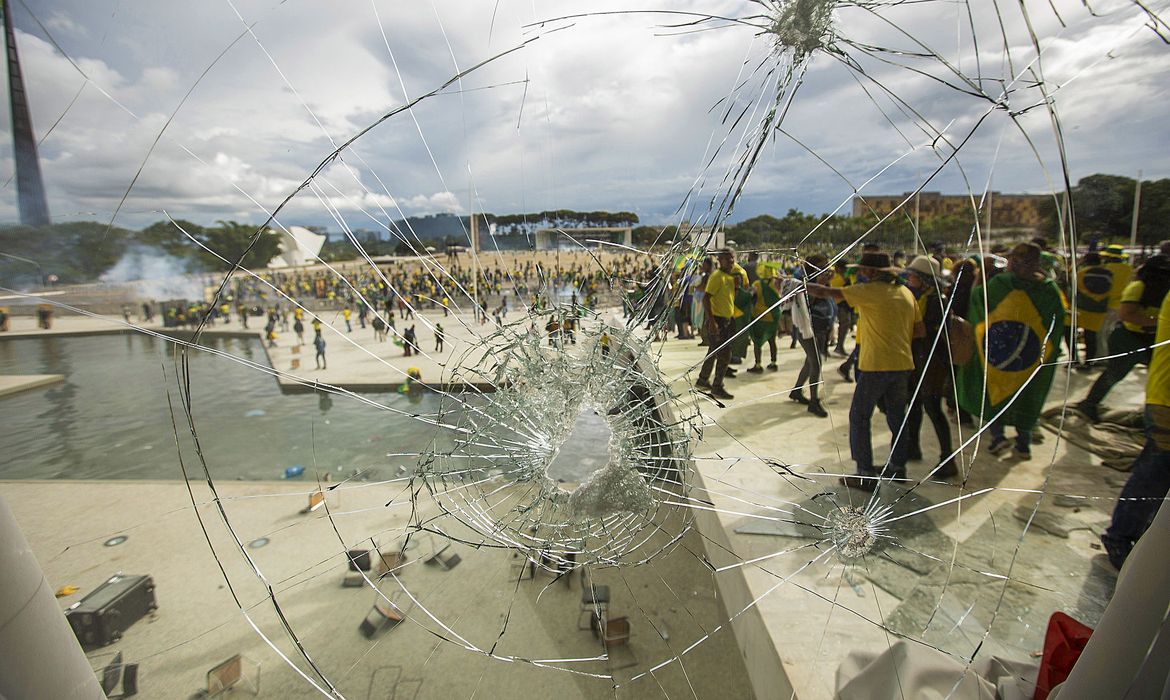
931,381
408,338
718,320
812,333
319,344
1018,320
439,337
1130,341
1149,478
765,317
1094,286
887,324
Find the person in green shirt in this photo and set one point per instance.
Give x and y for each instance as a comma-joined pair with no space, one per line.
1018,319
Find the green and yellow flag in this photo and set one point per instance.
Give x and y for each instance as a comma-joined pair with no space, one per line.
1017,336
1094,287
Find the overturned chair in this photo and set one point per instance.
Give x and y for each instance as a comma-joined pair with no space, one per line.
235,672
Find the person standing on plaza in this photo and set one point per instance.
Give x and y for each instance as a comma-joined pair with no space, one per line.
812,322
346,313
887,325
699,313
1149,478
765,317
718,315
439,337
1018,320
299,329
319,344
840,279
408,338
1130,341
931,381
1094,285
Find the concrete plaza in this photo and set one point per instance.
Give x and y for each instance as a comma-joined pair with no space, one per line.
978,563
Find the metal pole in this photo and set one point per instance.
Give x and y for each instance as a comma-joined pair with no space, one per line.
1137,200
41,656
475,262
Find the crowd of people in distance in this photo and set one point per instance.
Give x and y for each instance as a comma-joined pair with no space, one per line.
979,337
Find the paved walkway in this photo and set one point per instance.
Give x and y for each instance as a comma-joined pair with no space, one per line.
925,584
941,580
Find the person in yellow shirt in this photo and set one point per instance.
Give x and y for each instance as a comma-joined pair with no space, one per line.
1129,343
1149,478
888,324
719,320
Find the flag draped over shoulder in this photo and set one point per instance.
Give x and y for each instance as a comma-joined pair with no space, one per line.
766,312
1018,330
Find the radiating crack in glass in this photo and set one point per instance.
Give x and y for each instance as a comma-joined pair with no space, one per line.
493,479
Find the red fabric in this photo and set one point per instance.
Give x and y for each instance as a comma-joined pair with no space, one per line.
1063,644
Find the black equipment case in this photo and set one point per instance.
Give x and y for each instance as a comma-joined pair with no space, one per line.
101,617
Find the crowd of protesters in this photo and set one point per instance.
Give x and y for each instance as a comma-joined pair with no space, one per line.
978,337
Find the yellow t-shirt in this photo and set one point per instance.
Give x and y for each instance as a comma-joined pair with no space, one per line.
1133,295
1122,274
721,290
837,281
886,322
1158,381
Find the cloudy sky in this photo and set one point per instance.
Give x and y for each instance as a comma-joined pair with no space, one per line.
221,109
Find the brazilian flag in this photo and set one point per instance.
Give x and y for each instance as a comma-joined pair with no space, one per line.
768,316
743,316
1094,285
1019,330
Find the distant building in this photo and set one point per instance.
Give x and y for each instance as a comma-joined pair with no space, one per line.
1007,210
298,246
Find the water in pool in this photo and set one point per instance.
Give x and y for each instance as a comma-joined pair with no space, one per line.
110,419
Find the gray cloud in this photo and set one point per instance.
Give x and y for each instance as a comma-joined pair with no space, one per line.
612,112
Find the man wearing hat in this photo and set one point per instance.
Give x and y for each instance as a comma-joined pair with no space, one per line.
888,323
931,381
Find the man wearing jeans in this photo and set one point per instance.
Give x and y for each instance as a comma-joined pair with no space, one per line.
719,311
1149,479
888,323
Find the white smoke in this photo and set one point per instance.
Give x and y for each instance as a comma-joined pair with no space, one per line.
152,274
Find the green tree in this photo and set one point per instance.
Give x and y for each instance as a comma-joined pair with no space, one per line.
1154,212
238,243
74,251
168,237
1103,204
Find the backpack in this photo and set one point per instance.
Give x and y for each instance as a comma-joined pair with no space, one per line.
961,339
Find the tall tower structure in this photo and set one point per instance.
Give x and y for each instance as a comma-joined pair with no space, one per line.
30,189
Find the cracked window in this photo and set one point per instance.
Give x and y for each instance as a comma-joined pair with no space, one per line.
456,450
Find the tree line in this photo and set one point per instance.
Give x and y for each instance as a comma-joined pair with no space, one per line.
83,251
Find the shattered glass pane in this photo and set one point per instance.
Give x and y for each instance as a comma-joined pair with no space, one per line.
549,499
